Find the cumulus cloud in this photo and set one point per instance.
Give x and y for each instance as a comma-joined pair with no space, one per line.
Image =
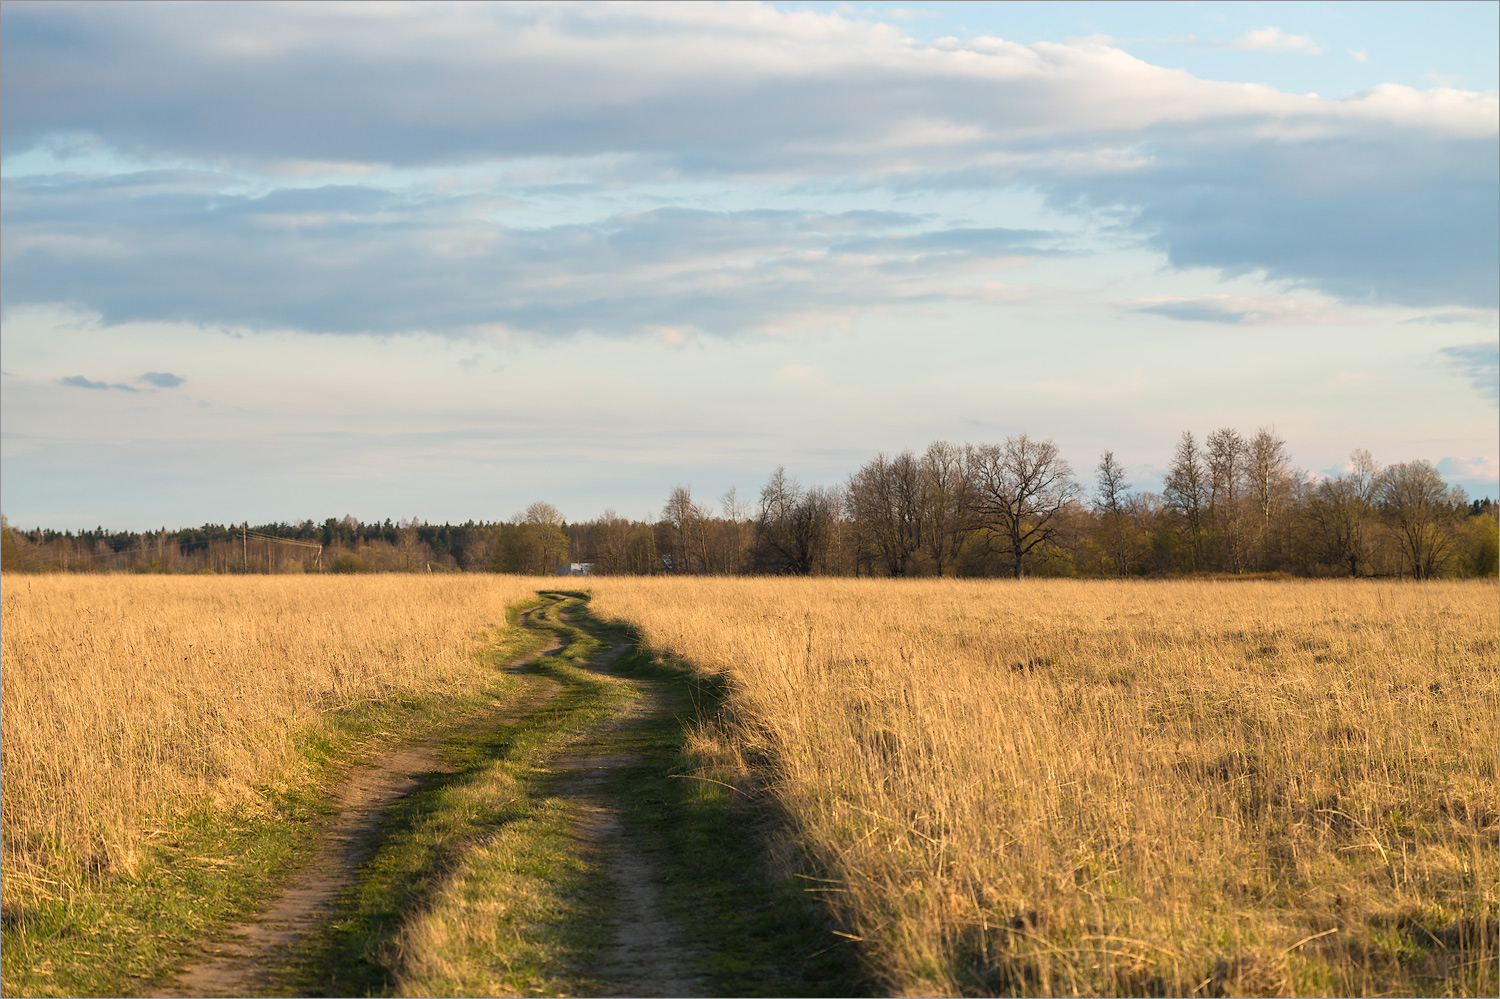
363,260
78,381
1480,362
1386,196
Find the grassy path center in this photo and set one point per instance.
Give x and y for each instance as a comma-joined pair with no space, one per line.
648,956
250,959
544,848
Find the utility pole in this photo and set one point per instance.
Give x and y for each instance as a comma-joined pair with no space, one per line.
245,548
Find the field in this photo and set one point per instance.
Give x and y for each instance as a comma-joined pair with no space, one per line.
1044,787
127,703
1158,788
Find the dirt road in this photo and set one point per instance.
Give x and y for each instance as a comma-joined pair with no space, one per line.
251,958
648,955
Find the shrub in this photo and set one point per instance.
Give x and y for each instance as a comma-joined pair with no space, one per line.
348,563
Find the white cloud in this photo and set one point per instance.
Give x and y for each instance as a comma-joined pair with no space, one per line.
1360,55
1470,468
1273,39
1387,195
734,88
362,260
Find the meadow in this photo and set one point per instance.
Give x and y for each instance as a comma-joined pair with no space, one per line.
1034,787
127,703
1161,788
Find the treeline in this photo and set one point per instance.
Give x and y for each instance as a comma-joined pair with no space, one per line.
336,545
1230,504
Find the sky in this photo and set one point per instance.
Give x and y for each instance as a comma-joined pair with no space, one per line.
275,262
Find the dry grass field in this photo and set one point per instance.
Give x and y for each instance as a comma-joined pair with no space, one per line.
1166,788
127,701
1039,787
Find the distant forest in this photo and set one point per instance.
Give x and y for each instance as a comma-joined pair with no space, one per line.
1231,504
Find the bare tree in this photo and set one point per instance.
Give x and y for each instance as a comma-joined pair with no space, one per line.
1021,487
1110,497
1269,479
411,553
947,504
732,540
795,526
610,543
643,558
687,526
1422,510
1116,529
885,501
1341,515
547,545
1227,456
478,554
1186,493
735,509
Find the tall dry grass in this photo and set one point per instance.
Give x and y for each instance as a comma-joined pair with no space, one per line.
1056,787
128,700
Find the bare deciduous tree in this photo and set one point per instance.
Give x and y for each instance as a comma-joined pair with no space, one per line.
885,502
1116,532
947,504
1020,489
1422,509
1341,515
1270,480
1186,492
1227,456
411,553
687,525
732,540
544,543
795,526
1110,497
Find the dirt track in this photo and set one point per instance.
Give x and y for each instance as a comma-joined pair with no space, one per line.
649,956
245,963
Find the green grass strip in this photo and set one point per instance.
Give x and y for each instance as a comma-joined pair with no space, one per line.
486,855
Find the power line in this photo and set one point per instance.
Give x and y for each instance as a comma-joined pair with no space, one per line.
284,541
122,551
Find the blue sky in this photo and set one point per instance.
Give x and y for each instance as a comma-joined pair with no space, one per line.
283,261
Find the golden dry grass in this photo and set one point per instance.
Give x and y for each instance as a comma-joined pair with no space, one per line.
1055,787
1036,787
127,701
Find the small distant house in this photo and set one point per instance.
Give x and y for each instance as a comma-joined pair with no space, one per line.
576,569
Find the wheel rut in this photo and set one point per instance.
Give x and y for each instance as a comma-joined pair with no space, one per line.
649,956
247,959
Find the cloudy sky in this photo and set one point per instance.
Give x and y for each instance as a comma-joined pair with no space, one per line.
396,260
